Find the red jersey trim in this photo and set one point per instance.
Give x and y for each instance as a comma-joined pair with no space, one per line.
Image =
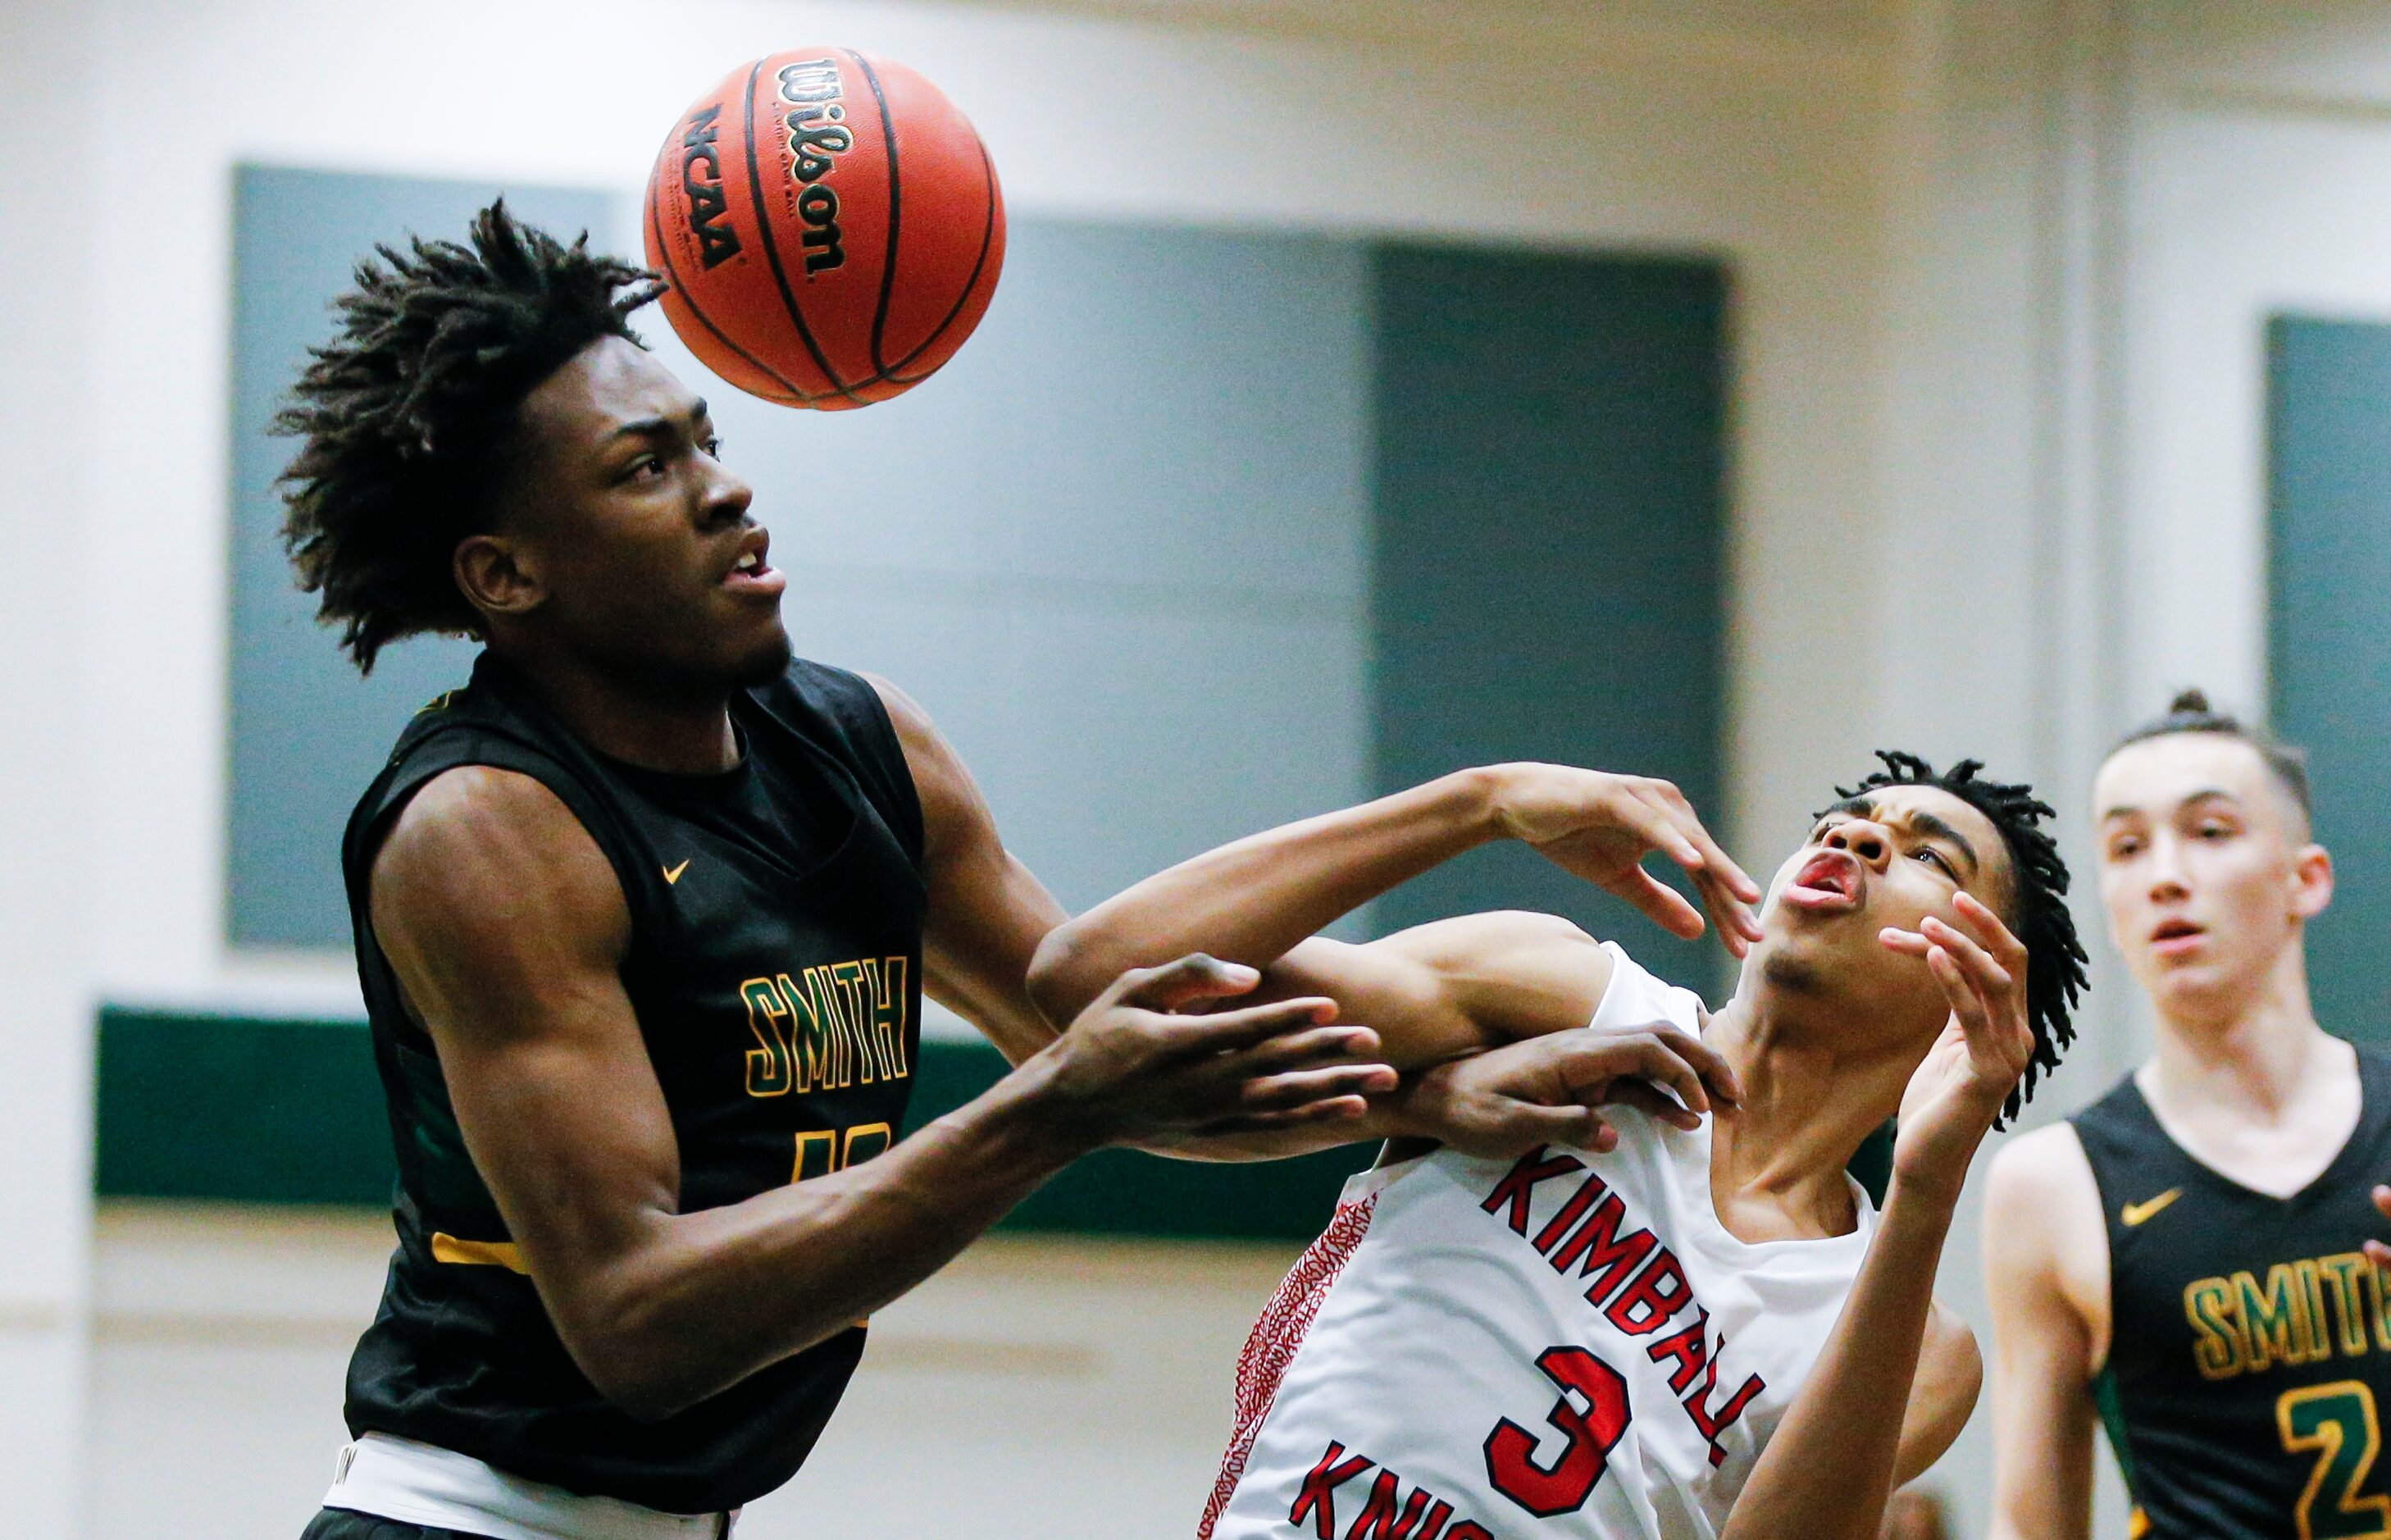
1276,1337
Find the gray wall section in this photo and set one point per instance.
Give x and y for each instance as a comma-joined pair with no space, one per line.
2329,636
1551,497
306,734
1115,548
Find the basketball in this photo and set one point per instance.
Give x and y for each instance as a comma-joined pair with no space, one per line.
830,225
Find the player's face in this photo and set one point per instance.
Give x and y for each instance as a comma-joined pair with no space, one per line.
2206,868
649,563
1888,859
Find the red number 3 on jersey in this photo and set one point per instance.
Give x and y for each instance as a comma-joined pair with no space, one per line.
1564,1485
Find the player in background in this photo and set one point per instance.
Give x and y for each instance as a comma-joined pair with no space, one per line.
643,917
2182,1259
1739,1345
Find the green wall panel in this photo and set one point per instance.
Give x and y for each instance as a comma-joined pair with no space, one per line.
218,1108
227,1109
1550,497
2328,636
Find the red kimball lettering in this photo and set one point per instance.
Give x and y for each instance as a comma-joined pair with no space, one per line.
1520,1184
1691,1348
1657,1293
1469,1529
1571,1212
1600,1252
1714,1423
1317,1498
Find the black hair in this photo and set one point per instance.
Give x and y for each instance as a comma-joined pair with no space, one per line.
2189,712
402,412
2055,956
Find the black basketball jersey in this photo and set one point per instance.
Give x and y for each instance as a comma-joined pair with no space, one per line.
2249,1360
775,967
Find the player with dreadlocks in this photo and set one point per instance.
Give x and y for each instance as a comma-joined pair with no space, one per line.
2186,1260
644,914
1671,1326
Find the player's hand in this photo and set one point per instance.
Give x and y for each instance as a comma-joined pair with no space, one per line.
1546,1090
2377,1253
1129,1068
1959,1089
1600,827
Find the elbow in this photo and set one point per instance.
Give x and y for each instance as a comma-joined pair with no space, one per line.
1060,972
654,1353
637,1379
644,1400
632,1353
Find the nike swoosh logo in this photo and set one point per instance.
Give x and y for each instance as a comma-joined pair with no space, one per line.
2135,1213
672,875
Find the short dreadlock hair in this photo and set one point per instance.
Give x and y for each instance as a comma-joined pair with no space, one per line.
401,412
2055,957
2189,712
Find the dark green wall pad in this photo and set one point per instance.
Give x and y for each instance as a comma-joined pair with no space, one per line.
1550,493
2329,635
194,1106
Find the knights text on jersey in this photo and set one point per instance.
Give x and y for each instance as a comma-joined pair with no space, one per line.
1569,1345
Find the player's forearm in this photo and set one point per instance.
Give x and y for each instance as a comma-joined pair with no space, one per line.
1827,1471
1252,901
706,1298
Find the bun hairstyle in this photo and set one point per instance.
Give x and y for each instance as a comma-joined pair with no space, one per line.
2189,712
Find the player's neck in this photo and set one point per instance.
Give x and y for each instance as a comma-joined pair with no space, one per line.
1777,1162
683,733
2256,1053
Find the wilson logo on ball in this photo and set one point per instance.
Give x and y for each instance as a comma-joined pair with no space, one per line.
709,209
828,225
816,138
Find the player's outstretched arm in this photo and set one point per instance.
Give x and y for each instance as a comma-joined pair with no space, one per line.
507,927
1831,1466
2046,1249
1254,900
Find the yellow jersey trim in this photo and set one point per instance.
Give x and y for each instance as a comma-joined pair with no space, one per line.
477,1253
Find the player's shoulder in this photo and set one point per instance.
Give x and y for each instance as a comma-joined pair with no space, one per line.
2043,1224
478,842
1950,1381
1950,1361
2041,1165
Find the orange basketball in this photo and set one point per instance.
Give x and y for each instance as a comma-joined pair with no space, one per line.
830,225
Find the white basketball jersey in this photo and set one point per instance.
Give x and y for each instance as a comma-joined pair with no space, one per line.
1567,1346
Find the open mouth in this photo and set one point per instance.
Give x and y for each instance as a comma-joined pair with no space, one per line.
749,571
2173,937
1830,880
